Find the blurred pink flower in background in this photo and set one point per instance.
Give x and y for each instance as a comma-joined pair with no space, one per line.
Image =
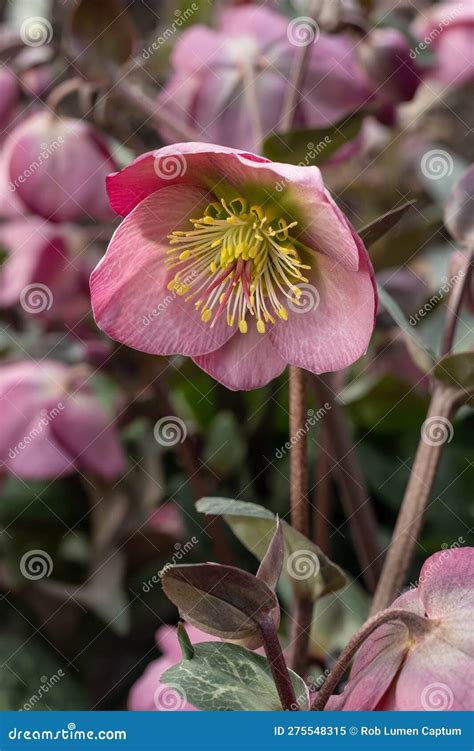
430,668
53,423
149,694
168,519
9,96
447,29
230,84
395,76
259,281
55,167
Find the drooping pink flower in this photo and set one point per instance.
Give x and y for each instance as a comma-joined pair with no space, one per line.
9,95
430,667
148,694
55,167
447,29
168,519
53,423
40,273
385,55
223,76
211,261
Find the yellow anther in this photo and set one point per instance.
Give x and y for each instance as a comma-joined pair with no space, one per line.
213,267
184,255
243,328
282,313
260,326
206,315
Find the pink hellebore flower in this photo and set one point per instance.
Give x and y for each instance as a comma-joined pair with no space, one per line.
149,694
448,30
385,55
56,167
230,84
53,423
427,668
9,96
213,262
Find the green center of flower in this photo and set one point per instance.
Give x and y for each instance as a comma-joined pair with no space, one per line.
238,259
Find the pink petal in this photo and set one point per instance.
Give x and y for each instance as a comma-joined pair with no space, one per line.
375,667
246,361
89,436
130,298
263,24
336,329
322,224
193,163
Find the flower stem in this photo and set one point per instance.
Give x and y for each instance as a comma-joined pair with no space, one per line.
350,480
455,303
303,608
437,426
277,664
409,619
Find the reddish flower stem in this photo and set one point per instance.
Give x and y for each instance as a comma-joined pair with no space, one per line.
277,664
409,619
444,401
303,608
350,480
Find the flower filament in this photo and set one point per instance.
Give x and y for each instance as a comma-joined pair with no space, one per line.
239,260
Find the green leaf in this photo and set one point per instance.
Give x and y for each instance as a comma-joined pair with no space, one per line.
336,618
270,568
420,353
310,571
312,146
383,224
227,677
457,370
221,600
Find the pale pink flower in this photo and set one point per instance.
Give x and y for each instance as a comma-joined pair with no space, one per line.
213,262
53,423
431,668
55,167
447,30
222,76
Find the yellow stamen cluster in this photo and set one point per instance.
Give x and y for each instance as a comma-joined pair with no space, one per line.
238,259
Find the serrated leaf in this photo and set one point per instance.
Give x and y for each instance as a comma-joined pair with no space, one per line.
457,370
254,526
227,677
383,224
419,351
312,146
220,600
